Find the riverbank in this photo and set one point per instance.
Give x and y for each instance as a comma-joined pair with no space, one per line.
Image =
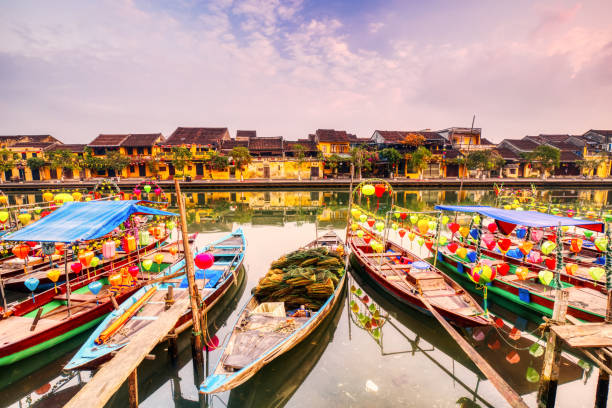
321,184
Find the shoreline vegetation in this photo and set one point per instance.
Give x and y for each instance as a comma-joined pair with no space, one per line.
208,184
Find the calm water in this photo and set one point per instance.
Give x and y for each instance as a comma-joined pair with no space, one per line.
415,363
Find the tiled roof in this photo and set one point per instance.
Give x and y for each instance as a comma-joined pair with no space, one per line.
246,134
398,136
228,145
197,136
564,146
31,138
569,156
74,148
266,143
525,145
108,140
602,132
485,141
309,145
331,135
35,145
507,154
541,138
142,139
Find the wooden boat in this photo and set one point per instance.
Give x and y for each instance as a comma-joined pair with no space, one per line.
528,296
258,338
409,284
17,283
35,325
148,303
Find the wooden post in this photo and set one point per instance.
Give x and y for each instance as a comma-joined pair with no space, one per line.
133,389
603,381
193,290
172,342
67,279
550,369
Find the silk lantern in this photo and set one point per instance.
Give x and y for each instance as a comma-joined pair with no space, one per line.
31,284
547,247
368,189
401,233
453,227
414,219
570,268
109,249
53,276
492,227
601,243
575,245
360,233
597,272
21,251
522,272
371,222
363,218
147,188
461,252
545,277
204,260
24,218
380,226
4,215
452,247
133,271
423,226
355,212
525,247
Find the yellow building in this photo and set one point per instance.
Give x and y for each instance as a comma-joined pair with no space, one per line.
28,147
330,141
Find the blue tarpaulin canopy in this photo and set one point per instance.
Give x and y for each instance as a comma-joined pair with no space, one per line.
81,221
525,218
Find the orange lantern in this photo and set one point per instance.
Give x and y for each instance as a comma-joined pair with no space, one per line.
129,244
513,357
575,245
21,251
522,272
115,280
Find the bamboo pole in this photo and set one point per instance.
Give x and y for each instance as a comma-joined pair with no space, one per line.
133,389
193,291
67,278
549,378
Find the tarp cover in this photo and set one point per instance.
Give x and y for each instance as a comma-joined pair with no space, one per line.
525,218
81,221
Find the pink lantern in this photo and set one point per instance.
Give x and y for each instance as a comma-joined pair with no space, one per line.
137,192
108,249
204,260
158,191
133,270
76,267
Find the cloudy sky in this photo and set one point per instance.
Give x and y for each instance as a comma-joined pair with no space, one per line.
75,69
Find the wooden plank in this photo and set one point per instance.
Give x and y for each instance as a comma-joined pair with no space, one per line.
586,335
498,382
110,377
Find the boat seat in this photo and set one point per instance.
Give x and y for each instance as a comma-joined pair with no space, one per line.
430,283
77,297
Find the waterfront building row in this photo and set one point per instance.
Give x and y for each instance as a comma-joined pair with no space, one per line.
211,153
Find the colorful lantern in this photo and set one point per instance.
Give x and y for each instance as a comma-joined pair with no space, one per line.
570,268
546,277
401,233
597,272
76,267
379,190
355,212
461,252
47,196
537,235
173,250
380,226
492,227
411,236
115,280
368,189
453,227
532,375
504,244
551,263
360,233
502,269
85,258
204,260
4,215
129,243
108,249
53,276
21,251
423,226
522,272
146,264
525,247
363,218
76,196
147,188
575,245
601,243
24,218
444,220
547,247
414,219
453,247
133,271
31,284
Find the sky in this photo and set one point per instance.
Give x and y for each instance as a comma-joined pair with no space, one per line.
75,69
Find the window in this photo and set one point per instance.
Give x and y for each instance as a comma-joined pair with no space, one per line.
140,150
130,150
161,168
24,155
132,169
34,155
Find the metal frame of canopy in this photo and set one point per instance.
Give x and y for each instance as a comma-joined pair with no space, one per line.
91,225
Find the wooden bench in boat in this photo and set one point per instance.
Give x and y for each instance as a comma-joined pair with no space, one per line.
80,297
428,281
384,255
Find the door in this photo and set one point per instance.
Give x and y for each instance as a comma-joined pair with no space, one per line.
266,172
452,170
36,174
22,174
171,169
142,170
68,173
111,173
232,172
199,169
314,171
8,174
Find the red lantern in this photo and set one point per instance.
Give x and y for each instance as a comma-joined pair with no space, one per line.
31,244
453,227
133,270
76,267
429,245
371,222
452,247
551,263
379,190
490,245
403,216
504,244
367,239
503,269
492,227
21,251
401,233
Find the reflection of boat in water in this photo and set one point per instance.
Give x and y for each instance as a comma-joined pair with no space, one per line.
511,363
274,385
149,378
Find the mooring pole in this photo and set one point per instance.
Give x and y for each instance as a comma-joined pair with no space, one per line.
550,370
133,389
196,340
67,279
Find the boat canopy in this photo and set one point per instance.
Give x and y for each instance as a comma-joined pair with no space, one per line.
82,221
506,220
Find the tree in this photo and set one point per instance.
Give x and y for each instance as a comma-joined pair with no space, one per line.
484,160
89,161
333,162
180,157
414,139
218,163
544,158
300,154
393,158
242,157
35,163
62,159
362,158
420,159
8,161
588,167
116,161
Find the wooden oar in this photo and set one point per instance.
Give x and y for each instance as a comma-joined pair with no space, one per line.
513,398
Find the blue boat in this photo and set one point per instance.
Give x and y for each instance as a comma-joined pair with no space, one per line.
261,334
144,306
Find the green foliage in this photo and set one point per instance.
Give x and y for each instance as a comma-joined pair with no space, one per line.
115,161
180,157
420,159
300,153
590,165
7,160
35,163
241,156
219,163
362,158
544,157
485,160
